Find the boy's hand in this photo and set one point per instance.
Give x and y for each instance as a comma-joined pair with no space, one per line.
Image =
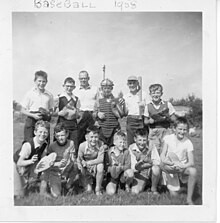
63,112
88,163
61,164
101,115
121,101
142,104
84,164
151,121
34,158
36,116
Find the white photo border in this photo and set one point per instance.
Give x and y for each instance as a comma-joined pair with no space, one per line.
204,212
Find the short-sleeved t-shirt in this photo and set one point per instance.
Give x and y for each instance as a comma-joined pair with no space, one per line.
180,148
34,99
132,105
87,97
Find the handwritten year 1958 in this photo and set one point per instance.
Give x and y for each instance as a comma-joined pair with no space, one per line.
127,4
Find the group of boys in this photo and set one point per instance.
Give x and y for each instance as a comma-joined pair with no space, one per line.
90,144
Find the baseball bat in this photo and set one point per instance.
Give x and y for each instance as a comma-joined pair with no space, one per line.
140,95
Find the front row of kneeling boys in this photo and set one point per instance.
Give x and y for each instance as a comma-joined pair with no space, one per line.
133,166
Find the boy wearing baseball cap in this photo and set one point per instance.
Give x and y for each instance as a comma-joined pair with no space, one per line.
135,108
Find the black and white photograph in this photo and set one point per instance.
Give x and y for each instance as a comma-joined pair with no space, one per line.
112,110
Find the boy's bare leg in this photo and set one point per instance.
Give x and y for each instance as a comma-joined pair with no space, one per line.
155,178
99,177
192,172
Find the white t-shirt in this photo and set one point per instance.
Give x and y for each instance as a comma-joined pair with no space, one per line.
180,148
131,102
87,97
34,99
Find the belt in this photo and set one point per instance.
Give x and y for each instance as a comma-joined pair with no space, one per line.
135,116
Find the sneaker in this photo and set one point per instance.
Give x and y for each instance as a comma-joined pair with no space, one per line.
153,192
98,193
127,188
190,202
89,188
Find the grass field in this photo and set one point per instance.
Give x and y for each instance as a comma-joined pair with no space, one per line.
122,197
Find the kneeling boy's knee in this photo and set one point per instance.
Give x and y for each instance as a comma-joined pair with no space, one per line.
110,190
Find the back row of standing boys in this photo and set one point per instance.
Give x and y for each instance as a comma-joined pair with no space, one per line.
88,139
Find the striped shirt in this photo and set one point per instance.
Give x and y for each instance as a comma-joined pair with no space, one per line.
110,122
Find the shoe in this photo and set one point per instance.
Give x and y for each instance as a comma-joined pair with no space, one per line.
89,188
189,203
153,192
98,193
127,188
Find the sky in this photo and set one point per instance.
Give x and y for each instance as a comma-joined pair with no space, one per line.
161,47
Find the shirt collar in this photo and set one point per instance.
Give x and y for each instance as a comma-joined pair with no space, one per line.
36,144
136,149
161,102
64,94
88,147
87,88
114,148
37,91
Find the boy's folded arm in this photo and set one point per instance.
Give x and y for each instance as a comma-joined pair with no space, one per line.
24,162
99,159
29,114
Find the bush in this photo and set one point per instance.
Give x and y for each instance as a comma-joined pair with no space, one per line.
195,114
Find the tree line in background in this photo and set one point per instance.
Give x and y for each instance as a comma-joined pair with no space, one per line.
194,115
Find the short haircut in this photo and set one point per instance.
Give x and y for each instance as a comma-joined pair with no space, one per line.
140,132
93,128
40,73
181,120
42,123
84,72
119,134
155,87
60,127
69,80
